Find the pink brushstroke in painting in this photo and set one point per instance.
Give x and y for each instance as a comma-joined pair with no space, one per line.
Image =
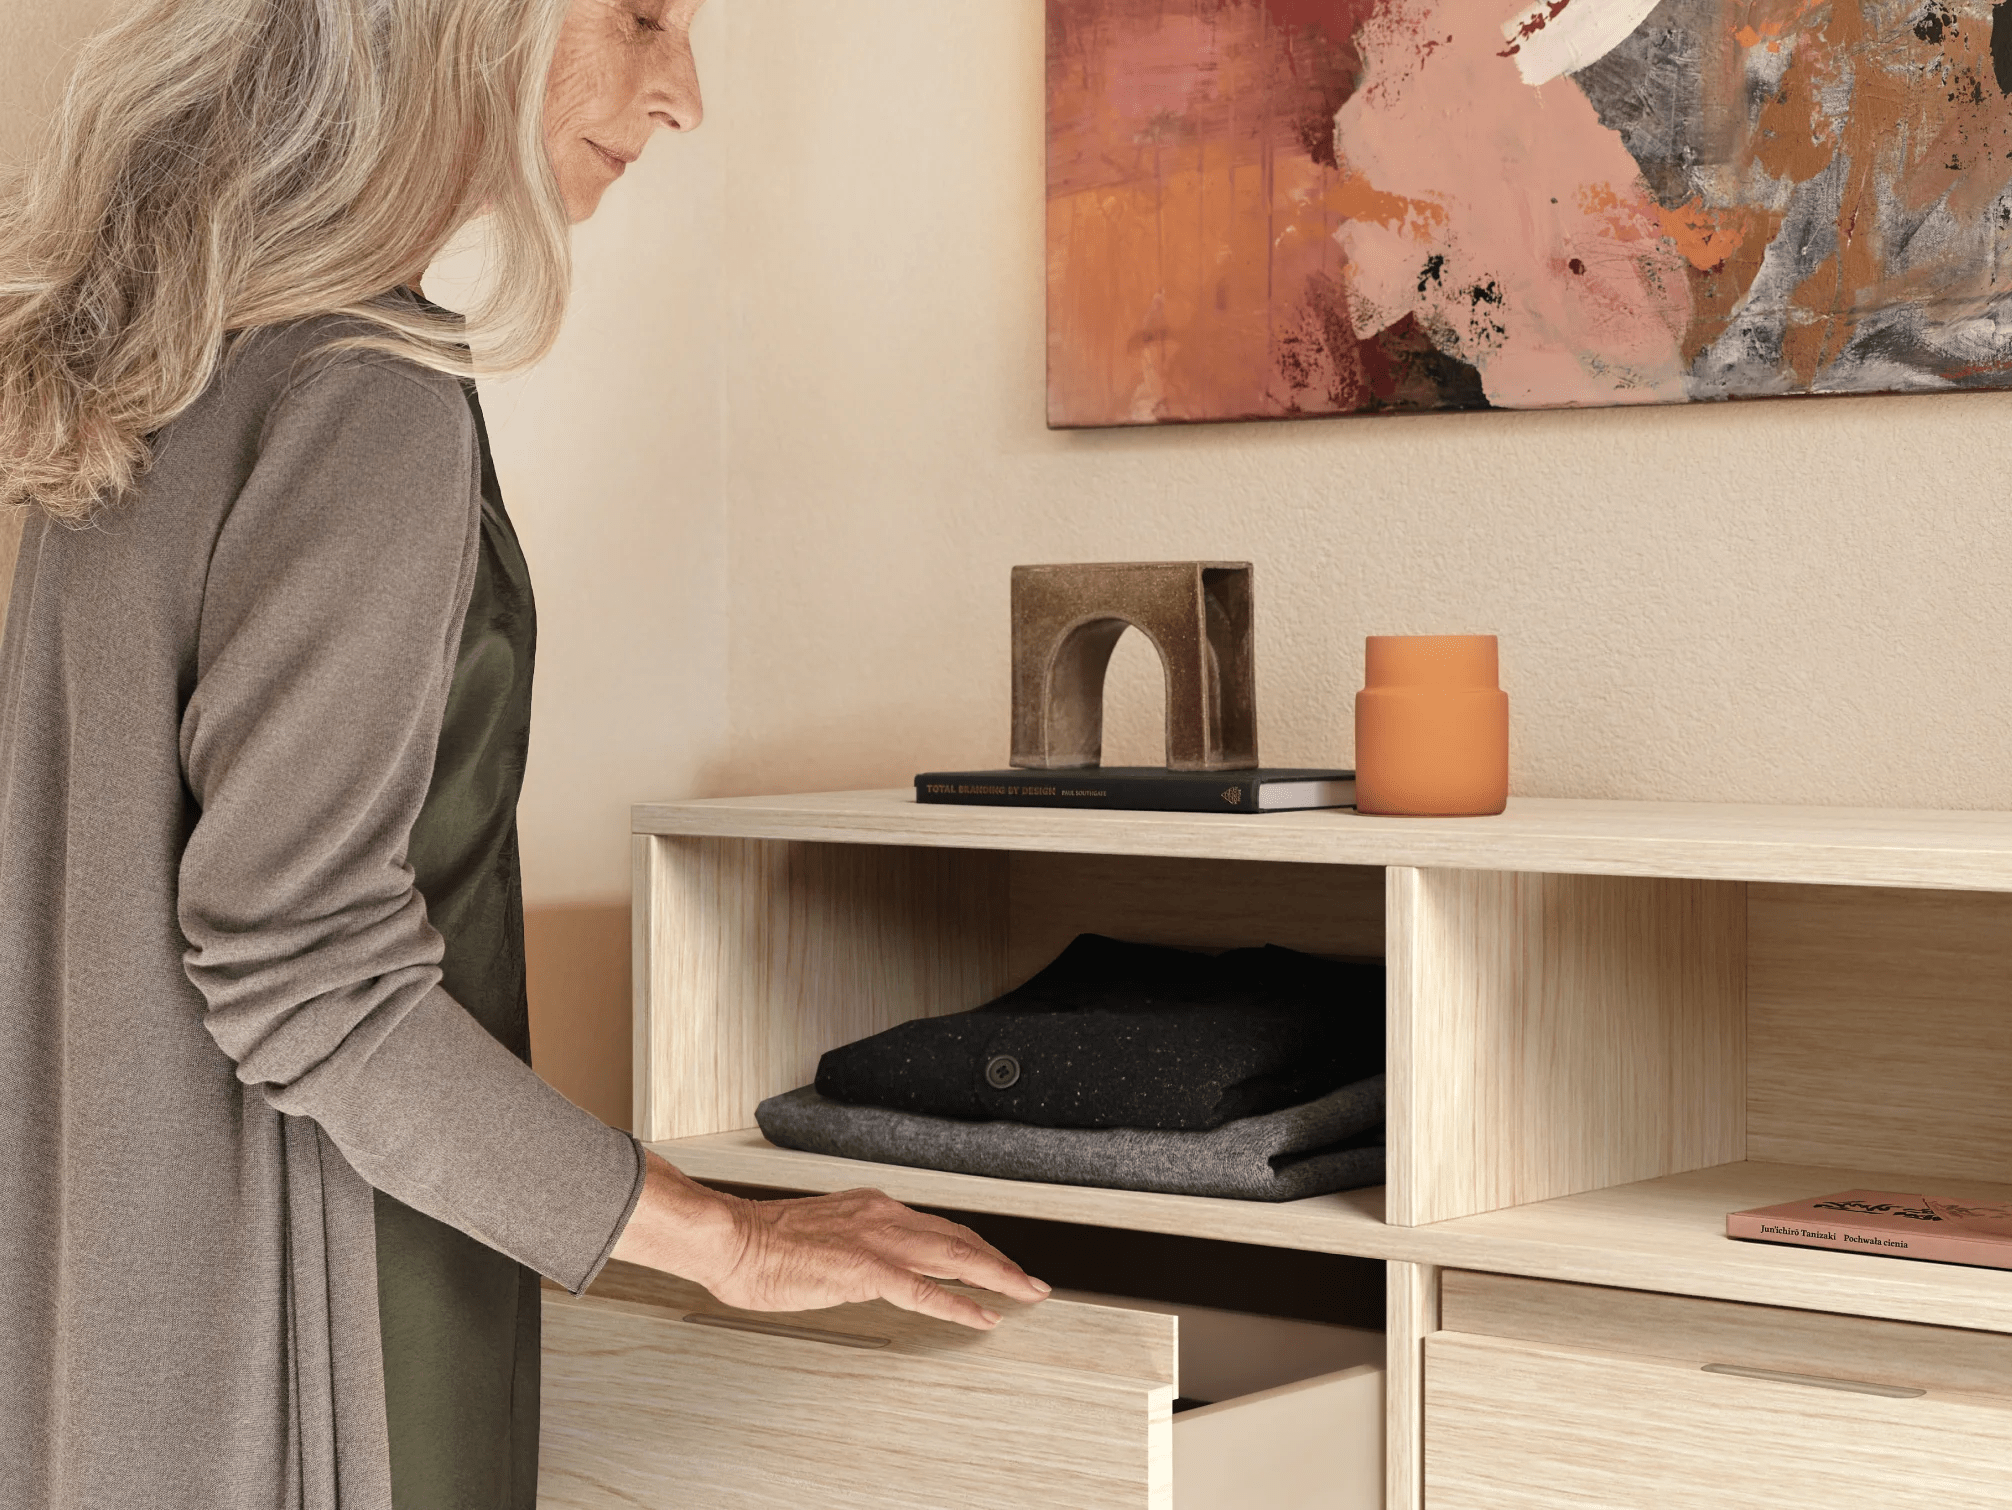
1550,273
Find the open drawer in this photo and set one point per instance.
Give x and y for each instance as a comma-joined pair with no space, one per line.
1550,1396
656,1395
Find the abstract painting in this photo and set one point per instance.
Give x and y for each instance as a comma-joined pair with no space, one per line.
1271,208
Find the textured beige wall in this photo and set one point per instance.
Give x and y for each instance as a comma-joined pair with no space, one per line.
1797,601
38,42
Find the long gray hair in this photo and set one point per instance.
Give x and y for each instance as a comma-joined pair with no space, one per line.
220,165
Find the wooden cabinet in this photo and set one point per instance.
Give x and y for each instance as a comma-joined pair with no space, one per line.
1609,1025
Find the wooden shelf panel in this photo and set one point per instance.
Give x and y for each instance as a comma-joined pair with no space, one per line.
1669,1234
1665,1234
1351,1222
1969,851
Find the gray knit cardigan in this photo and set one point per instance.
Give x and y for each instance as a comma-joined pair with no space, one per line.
221,1020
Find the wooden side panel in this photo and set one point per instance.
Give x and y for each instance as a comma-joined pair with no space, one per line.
643,1407
1521,1426
755,956
1212,904
1881,1028
1688,1329
1551,1034
1313,1445
1411,1315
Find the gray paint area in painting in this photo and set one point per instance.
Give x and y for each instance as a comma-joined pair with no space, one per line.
1649,92
1935,319
1747,358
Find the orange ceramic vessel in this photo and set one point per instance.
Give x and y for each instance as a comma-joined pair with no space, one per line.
1432,727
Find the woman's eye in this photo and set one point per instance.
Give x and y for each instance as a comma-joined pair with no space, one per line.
648,23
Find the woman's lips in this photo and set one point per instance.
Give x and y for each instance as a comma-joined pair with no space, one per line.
617,164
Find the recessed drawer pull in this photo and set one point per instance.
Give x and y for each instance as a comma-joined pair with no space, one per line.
1818,1381
800,1333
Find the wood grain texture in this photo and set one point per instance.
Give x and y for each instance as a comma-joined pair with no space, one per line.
641,1407
1686,1329
1706,841
1412,1314
1664,1234
1349,1222
754,957
1669,1235
1881,1029
1550,1034
1136,1341
1200,904
1522,1426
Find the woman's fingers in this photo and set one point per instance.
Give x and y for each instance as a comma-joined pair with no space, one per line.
951,1251
859,1244
976,1264
912,1292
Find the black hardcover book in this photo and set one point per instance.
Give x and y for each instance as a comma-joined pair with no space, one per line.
1141,788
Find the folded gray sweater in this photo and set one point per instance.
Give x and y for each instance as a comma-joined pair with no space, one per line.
1332,1143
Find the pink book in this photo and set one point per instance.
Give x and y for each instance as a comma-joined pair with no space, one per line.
1888,1224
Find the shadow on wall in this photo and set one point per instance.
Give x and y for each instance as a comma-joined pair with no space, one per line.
577,963
11,522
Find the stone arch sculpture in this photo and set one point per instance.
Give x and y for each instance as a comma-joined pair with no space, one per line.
1066,622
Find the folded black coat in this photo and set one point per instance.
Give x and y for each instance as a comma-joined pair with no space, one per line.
1131,1035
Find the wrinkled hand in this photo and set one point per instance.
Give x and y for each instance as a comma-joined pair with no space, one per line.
826,1250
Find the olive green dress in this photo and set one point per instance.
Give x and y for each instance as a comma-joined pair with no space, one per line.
460,1320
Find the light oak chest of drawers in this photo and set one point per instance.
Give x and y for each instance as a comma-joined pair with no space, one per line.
1609,1025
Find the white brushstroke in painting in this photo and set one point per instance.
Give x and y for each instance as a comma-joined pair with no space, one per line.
1555,37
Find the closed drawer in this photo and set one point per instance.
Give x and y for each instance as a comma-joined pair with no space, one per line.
1542,1396
656,1395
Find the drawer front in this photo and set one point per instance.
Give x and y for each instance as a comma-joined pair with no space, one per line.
1513,1425
1694,1330
670,1402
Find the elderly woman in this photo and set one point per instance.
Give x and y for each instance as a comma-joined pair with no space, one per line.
277,1174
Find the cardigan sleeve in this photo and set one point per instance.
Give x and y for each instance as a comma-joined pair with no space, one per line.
331,616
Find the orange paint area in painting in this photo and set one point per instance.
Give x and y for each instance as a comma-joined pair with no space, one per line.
1193,267
1770,22
1707,237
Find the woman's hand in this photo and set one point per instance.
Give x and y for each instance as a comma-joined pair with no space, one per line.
824,1250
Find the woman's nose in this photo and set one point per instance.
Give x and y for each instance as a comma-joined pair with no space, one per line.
676,103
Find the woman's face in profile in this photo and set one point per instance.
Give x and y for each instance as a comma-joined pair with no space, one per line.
623,68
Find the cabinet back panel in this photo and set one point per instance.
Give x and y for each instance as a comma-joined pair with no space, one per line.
1880,1029
755,956
1212,904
